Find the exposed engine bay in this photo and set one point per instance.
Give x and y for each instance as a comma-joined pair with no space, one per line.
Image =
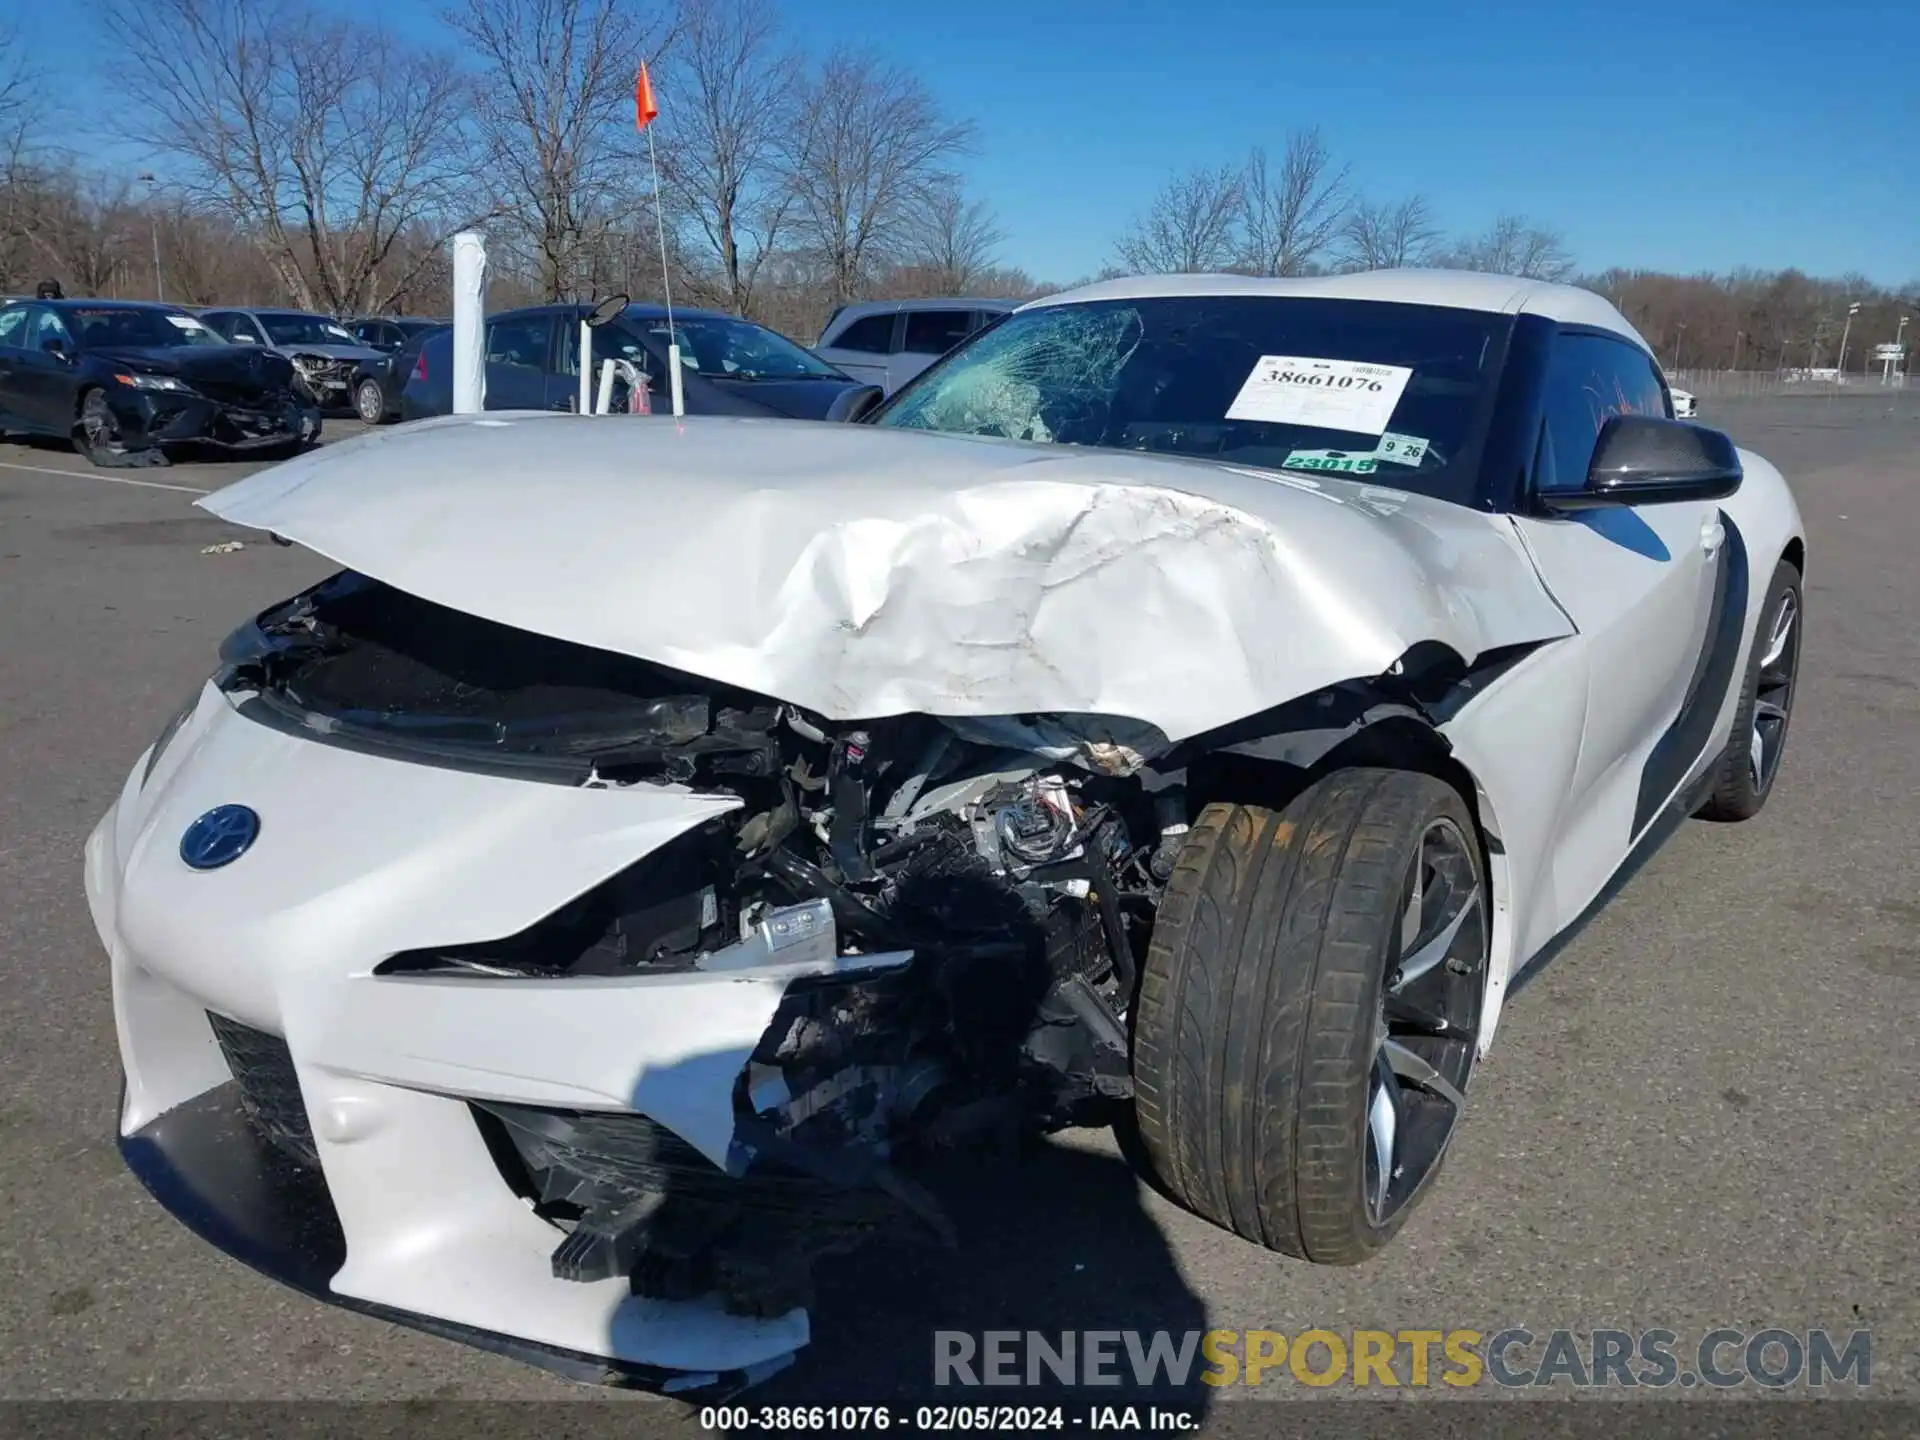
328,378
1018,861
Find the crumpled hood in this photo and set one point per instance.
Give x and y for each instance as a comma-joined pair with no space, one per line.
229,363
862,572
333,351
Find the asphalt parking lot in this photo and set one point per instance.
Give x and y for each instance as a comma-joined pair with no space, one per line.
1698,1116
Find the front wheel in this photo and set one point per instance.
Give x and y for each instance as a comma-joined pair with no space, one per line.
1310,1009
99,439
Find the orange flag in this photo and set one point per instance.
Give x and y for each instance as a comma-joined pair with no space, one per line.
643,107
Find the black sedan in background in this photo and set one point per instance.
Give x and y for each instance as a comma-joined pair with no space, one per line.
377,383
123,379
392,332
728,366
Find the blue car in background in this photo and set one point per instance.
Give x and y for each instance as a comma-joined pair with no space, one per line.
728,366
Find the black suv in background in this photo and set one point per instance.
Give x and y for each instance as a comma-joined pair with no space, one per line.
728,366
378,381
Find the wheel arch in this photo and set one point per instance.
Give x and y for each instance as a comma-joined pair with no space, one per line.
1392,732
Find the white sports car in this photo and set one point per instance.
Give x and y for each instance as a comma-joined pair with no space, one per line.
1191,705
1685,407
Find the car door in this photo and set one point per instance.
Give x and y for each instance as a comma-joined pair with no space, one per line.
863,348
1647,586
237,326
13,344
44,383
518,356
928,334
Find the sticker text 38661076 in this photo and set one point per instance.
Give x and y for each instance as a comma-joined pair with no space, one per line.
1346,395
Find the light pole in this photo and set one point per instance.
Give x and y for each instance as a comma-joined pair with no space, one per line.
1679,344
1738,336
153,216
1840,369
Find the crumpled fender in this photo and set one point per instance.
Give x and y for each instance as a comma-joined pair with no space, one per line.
861,572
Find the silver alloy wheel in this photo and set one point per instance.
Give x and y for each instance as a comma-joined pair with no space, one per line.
369,402
97,423
1428,1025
1773,692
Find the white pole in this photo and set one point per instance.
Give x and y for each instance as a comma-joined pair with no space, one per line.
469,323
586,368
666,284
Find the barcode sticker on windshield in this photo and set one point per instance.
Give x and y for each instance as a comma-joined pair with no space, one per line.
1346,395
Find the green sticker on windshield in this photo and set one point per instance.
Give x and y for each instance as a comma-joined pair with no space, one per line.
1343,462
1392,449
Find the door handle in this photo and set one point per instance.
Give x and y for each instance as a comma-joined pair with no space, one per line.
1712,536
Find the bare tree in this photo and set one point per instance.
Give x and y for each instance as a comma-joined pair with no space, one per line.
1388,236
1189,227
951,240
554,97
1292,213
1515,245
322,140
21,156
874,146
726,132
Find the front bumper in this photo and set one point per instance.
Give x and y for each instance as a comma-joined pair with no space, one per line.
407,1214
208,1166
166,418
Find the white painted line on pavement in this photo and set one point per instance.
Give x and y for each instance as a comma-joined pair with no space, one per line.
109,479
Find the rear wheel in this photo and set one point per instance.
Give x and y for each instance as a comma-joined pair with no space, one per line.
1754,750
1310,1009
370,401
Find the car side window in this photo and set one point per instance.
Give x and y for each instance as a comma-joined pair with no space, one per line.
870,334
47,325
609,342
1590,379
934,332
13,328
521,342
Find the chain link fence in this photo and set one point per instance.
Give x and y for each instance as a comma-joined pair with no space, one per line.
1721,383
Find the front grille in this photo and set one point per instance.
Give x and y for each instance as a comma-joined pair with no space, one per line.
270,400
269,1088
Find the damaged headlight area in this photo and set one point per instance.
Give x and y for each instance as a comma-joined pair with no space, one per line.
964,917
322,374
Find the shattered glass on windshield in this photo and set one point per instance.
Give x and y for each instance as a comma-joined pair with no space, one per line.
1162,374
1052,378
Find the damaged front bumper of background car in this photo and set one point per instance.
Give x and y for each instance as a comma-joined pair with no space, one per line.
150,417
329,379
580,1005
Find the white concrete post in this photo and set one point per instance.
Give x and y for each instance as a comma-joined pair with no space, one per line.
469,323
586,368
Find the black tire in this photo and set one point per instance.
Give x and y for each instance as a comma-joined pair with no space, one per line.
1742,783
370,401
1259,1021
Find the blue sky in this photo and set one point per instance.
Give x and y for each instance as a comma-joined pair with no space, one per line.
1672,136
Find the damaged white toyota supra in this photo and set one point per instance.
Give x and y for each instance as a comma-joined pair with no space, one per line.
1189,706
